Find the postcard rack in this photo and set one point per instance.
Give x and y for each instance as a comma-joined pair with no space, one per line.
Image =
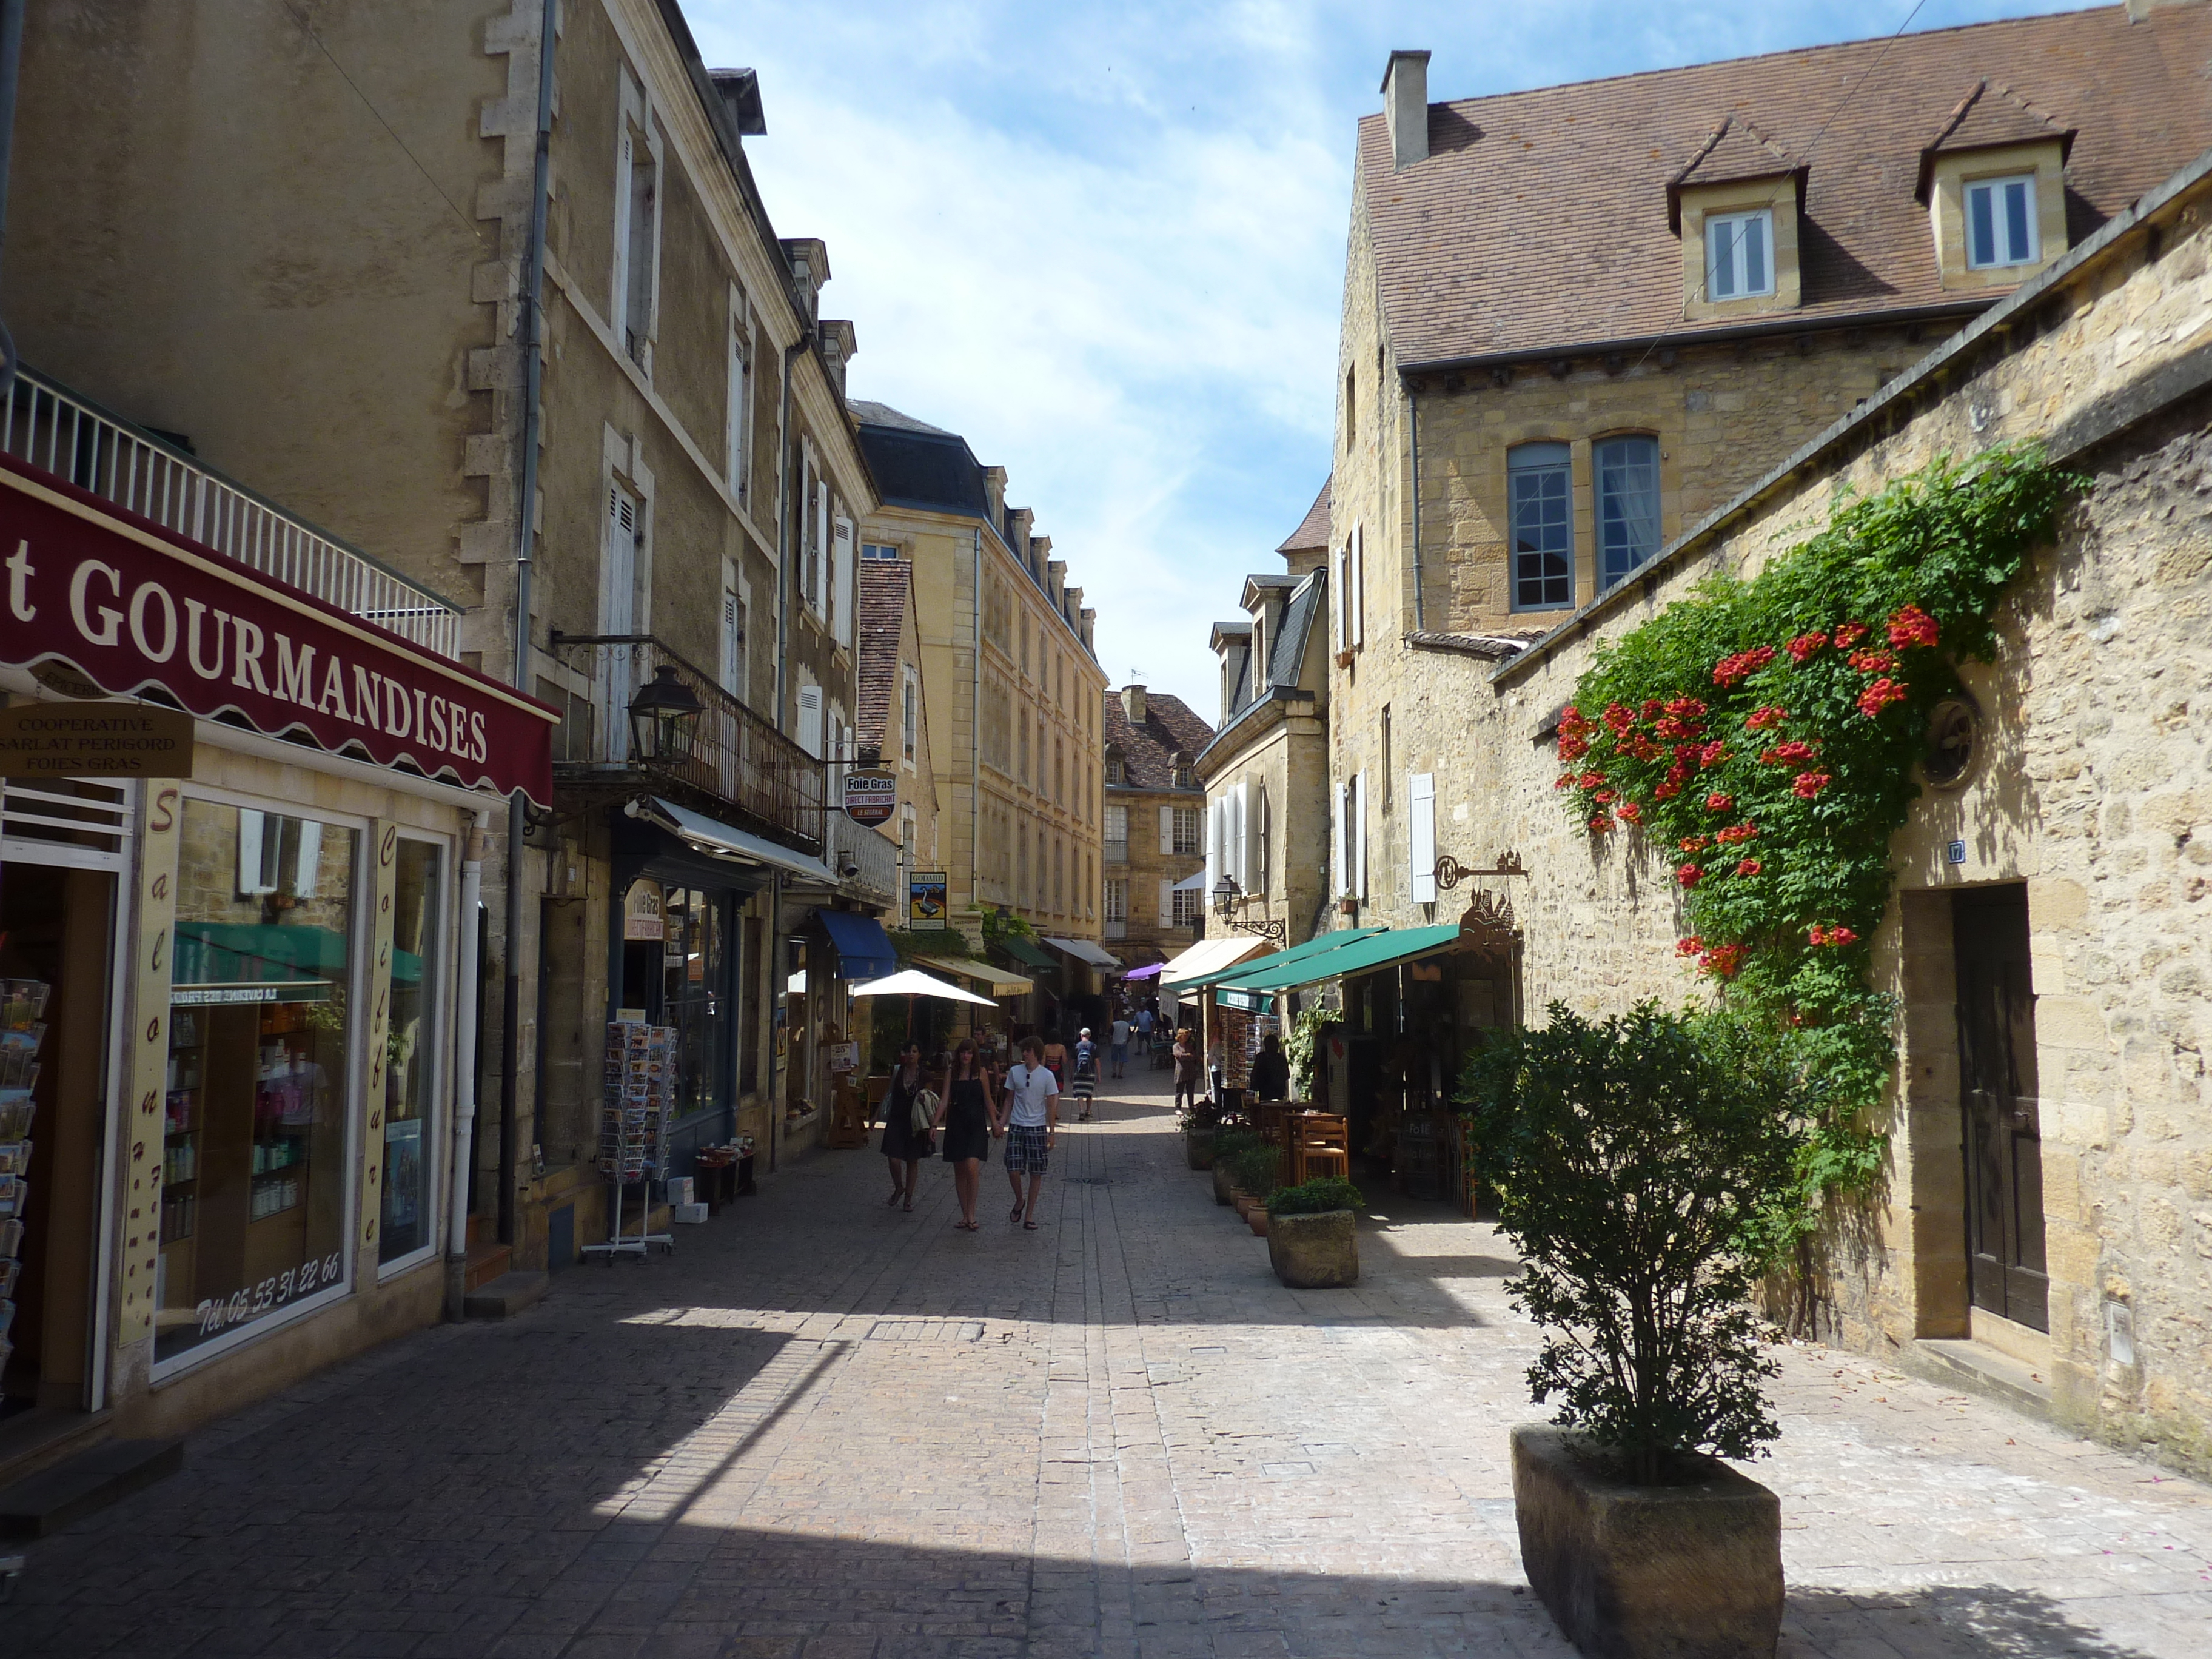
639,1100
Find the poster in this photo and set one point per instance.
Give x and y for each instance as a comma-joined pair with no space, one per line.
924,899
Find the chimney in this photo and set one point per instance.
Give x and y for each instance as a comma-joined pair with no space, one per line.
1132,704
1406,106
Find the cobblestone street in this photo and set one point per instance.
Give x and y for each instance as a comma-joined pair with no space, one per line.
828,1428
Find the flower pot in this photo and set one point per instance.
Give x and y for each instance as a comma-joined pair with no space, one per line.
1315,1252
1198,1148
1221,1185
1691,1570
1241,1201
1257,1218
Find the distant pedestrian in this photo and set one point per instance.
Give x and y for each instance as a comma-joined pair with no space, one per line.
1121,1046
904,1145
1086,1072
1055,1059
970,1117
1145,1022
1032,1120
1271,1072
1186,1068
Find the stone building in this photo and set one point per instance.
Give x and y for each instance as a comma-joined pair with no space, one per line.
1013,691
1266,770
328,280
1525,416
893,728
1155,823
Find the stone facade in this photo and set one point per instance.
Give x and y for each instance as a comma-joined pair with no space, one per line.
2090,792
1155,800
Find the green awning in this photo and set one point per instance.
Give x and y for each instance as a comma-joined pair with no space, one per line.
1236,972
1029,955
1361,955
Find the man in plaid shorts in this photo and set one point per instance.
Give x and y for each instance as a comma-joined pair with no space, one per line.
1032,1120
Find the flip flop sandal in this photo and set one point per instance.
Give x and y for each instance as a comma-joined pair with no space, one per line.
1029,1226
909,1207
898,1193
1017,1214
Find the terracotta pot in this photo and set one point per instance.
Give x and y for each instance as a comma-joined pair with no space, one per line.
1315,1252
1257,1218
1691,1570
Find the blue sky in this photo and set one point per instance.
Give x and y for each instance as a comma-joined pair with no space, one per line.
1105,243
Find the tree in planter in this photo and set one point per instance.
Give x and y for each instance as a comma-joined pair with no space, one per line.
1646,1169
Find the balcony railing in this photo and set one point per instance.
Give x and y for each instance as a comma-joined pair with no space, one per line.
875,857
1117,852
53,428
750,770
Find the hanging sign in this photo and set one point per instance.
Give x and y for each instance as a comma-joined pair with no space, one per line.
870,794
95,740
130,605
924,899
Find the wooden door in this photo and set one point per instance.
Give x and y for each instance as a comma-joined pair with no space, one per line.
1998,1105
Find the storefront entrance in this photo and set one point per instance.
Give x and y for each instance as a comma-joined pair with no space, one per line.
2001,1121
679,969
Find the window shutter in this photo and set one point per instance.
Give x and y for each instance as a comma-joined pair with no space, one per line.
810,720
1167,830
1166,913
1338,862
1255,809
841,598
1358,834
1358,595
1337,562
251,881
1213,811
1421,834
1233,837
1260,841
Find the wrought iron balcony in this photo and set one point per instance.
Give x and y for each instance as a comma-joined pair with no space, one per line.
49,427
872,857
736,766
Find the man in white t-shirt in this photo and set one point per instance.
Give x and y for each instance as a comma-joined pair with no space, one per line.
1032,1120
1120,1041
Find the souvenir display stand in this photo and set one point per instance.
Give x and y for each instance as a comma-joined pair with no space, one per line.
22,1002
641,1092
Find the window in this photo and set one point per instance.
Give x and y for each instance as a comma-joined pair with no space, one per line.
1185,776
2001,223
1627,505
1351,404
1116,771
1186,831
883,550
741,408
1117,835
410,1221
1537,478
909,712
1387,793
1739,254
1117,898
733,631
636,242
1185,900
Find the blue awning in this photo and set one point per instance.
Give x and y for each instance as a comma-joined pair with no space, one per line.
864,950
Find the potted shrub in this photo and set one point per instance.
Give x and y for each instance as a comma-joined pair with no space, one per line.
1254,1173
1313,1238
1228,1145
1646,1169
1201,1124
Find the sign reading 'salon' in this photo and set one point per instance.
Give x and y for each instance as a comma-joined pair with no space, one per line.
871,795
95,740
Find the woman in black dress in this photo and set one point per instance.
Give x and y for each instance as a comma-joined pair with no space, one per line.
904,1145
970,1117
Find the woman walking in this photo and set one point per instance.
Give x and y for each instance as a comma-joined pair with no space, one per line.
970,1117
1086,1073
1055,1060
1032,1118
1185,1067
904,1145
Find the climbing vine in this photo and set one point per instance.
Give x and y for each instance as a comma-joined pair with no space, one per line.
1761,735
1299,1048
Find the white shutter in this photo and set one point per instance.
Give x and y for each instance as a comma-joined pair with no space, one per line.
810,720
1338,860
251,880
1215,809
1233,836
1167,830
840,582
1255,812
1358,587
1262,840
1338,560
1358,834
1166,913
1421,834
618,297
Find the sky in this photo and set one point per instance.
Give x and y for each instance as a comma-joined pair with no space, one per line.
1105,242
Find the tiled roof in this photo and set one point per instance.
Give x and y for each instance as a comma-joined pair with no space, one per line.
884,587
1987,117
1470,256
1313,529
1289,647
1148,750
868,414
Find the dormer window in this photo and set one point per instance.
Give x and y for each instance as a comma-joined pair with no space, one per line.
1117,771
1739,265
2001,227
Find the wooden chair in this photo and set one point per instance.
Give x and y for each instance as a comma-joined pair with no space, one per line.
848,1121
1321,1145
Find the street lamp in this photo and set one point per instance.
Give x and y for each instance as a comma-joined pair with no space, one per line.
1226,892
662,717
1227,896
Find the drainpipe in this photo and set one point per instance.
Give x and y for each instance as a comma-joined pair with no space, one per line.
533,328
975,751
1413,413
11,65
779,967
465,1068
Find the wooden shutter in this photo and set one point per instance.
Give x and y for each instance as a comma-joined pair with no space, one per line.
1358,834
1421,835
1337,560
841,583
1166,914
1167,830
1340,861
810,720
1260,841
1358,594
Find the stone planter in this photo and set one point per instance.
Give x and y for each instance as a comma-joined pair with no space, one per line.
1198,1148
1687,1571
1222,1189
1315,1252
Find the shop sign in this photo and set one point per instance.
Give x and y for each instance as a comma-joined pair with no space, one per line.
871,795
642,920
219,1313
132,606
924,899
95,740
1255,1002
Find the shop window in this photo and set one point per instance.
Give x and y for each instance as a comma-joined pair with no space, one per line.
1538,496
1627,504
261,1007
412,1060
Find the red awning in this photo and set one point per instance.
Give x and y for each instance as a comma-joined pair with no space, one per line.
133,606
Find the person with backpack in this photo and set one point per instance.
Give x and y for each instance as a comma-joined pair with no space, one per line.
1086,1073
1032,1122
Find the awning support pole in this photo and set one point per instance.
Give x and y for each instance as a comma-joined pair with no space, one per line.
468,992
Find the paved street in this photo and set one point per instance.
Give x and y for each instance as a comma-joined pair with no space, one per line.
830,1430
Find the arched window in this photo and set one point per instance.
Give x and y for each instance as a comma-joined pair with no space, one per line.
1539,500
1627,504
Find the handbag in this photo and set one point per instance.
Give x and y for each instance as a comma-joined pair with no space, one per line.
925,1111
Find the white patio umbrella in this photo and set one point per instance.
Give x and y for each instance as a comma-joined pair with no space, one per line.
913,982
